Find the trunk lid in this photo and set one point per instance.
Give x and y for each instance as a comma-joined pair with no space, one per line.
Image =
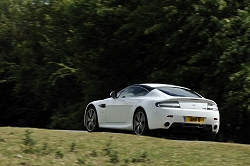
193,103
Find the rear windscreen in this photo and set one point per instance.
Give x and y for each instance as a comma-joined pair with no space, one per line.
176,91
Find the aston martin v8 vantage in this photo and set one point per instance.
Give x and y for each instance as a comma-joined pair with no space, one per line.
145,107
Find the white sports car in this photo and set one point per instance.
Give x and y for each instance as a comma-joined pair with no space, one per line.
145,107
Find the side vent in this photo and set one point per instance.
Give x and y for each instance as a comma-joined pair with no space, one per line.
102,105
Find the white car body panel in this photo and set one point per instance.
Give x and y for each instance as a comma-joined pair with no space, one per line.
118,113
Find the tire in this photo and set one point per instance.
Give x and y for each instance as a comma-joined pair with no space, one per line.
91,120
208,137
140,123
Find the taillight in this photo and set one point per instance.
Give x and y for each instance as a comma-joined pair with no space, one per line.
212,106
169,104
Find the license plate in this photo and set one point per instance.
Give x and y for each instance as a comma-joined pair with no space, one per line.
194,119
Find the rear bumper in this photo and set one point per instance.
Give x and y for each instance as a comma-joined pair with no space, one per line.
190,128
174,120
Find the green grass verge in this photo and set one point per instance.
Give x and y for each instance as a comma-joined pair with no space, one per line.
27,146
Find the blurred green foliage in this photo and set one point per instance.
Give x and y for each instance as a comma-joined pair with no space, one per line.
58,55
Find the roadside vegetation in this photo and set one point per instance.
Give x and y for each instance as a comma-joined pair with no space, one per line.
58,55
29,146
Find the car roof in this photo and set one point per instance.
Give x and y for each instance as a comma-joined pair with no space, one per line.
151,86
155,85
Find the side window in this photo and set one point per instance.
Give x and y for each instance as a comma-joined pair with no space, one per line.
143,92
119,93
132,91
127,92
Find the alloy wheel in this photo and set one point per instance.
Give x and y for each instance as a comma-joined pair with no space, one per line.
139,123
91,119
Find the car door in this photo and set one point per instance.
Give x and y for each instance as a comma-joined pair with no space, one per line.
117,110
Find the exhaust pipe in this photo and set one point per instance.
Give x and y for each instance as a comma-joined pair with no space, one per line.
166,124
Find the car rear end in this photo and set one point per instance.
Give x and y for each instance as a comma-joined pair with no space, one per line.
183,110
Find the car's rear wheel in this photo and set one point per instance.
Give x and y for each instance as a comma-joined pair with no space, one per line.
91,119
140,123
208,137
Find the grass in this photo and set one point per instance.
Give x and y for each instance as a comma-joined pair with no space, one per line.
27,146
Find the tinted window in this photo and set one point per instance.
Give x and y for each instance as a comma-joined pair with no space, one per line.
143,92
127,92
175,91
132,91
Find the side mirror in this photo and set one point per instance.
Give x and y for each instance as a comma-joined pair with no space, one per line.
113,94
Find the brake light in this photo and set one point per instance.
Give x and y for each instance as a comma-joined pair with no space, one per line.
170,104
212,107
